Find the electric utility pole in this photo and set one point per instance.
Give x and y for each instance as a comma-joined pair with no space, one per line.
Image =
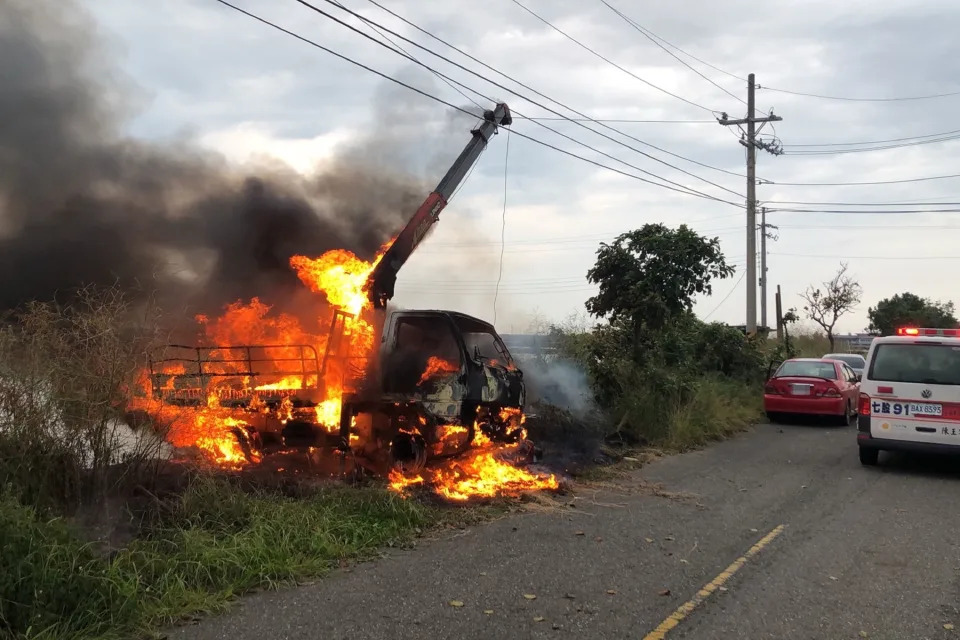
764,234
749,140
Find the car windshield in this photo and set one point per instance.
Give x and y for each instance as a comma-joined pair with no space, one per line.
917,363
807,369
852,360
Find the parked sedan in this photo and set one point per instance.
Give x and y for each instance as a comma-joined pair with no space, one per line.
853,360
812,386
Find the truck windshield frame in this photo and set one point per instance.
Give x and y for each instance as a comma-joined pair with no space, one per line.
916,363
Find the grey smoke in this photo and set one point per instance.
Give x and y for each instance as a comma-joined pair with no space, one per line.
83,203
558,382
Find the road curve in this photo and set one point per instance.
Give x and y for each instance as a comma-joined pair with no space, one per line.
779,533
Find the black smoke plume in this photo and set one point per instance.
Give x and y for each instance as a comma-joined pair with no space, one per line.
83,203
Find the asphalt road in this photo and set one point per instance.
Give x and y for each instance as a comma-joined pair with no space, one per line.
864,552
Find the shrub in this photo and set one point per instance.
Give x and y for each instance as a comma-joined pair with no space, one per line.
676,387
65,375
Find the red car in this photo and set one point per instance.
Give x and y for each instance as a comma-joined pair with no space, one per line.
812,386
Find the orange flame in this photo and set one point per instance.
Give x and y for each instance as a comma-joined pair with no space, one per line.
477,474
437,367
341,277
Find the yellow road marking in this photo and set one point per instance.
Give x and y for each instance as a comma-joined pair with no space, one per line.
687,607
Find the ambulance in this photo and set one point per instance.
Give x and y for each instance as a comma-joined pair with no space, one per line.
910,394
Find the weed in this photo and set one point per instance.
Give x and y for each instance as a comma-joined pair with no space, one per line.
209,546
717,409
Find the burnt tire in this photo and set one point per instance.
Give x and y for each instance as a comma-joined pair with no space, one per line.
408,453
869,457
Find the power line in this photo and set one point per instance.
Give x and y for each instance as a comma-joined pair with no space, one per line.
871,227
690,55
583,117
621,120
831,152
503,225
472,72
884,257
447,82
608,60
845,144
864,204
857,184
730,293
649,37
850,99
879,211
684,190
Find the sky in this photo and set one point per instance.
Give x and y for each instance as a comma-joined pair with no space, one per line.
203,71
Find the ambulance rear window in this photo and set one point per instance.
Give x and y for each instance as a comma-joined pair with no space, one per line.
916,363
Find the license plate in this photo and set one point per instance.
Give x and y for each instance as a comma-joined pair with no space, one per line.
919,409
801,389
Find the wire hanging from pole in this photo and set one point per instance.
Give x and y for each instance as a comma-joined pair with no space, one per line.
503,226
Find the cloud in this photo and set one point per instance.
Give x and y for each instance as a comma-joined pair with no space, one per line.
209,70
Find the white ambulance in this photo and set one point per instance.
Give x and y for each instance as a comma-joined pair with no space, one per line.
910,394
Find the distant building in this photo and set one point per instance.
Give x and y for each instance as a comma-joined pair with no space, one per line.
853,341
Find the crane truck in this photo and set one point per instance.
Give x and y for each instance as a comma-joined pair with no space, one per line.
434,377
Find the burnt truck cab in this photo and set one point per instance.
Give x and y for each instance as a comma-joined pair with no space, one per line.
439,376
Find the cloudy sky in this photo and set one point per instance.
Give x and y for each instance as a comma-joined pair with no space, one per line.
205,71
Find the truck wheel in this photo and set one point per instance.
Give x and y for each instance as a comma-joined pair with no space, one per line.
869,457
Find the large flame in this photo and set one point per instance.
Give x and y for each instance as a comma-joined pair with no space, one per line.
268,374
479,473
340,276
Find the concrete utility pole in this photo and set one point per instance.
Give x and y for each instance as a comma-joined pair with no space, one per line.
779,316
764,234
749,140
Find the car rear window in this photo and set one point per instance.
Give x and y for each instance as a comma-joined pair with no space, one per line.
916,363
807,369
854,361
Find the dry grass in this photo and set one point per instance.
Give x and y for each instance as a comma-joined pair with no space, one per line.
65,375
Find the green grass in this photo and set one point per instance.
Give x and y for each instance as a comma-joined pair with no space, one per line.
710,408
811,345
213,544
717,409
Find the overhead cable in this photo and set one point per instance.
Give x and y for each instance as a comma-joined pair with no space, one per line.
540,124
858,184
649,36
850,144
583,117
608,60
385,76
852,99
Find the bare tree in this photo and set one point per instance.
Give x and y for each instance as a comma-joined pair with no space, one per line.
840,295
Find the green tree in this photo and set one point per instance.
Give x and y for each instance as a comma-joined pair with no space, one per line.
910,309
651,274
840,295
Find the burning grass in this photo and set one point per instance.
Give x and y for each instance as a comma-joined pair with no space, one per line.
485,471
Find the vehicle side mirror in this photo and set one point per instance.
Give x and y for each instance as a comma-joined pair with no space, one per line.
857,377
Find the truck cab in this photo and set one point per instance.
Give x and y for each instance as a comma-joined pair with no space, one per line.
436,373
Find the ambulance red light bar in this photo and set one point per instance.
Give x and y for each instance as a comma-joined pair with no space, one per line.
917,331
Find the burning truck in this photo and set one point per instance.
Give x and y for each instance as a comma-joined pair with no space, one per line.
421,396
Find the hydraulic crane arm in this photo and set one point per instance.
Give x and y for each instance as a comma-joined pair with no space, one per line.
383,278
